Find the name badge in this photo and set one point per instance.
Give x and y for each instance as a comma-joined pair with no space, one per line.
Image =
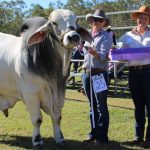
99,83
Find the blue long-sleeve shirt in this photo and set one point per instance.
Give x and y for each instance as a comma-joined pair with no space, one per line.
102,43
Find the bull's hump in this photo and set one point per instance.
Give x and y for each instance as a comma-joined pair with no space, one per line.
7,41
33,22
4,35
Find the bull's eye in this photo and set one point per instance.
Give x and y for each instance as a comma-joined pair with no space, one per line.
71,28
54,24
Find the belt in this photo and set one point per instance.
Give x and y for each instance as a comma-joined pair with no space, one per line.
140,67
96,70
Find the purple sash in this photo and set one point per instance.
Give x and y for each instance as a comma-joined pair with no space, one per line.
130,53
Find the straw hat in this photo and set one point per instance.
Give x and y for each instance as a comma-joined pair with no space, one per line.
141,10
99,13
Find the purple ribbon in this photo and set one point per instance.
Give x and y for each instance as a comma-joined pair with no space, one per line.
130,53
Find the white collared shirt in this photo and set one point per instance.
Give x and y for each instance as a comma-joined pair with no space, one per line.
133,39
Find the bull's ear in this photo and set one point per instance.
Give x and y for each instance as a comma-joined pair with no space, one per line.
85,34
36,38
40,34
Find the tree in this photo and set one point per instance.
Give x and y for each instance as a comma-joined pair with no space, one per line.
37,10
49,9
60,4
11,16
79,7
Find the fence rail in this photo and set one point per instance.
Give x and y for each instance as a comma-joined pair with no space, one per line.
121,21
73,75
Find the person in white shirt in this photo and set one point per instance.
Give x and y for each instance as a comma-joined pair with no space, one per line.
139,74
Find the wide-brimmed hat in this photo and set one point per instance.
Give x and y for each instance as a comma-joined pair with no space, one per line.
99,13
107,22
141,10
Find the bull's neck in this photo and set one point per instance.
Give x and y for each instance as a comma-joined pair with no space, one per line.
66,61
65,56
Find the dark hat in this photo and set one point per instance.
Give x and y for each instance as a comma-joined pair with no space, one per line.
141,10
99,13
107,22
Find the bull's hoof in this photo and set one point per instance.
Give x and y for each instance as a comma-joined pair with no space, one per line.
38,147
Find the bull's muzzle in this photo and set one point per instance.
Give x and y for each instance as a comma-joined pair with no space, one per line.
74,38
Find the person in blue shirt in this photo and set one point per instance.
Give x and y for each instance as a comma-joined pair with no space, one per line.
79,55
96,66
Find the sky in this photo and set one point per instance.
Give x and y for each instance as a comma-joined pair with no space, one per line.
43,3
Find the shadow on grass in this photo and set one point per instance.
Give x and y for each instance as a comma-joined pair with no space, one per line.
131,144
121,93
49,144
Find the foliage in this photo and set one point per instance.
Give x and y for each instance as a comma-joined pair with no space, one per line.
38,10
79,7
60,4
14,11
11,15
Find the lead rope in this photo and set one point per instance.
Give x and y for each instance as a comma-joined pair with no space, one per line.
91,95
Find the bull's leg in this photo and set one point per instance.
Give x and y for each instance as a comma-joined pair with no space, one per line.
58,136
33,106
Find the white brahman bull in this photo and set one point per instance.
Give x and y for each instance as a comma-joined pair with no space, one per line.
34,67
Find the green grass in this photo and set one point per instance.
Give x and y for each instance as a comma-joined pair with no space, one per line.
16,130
